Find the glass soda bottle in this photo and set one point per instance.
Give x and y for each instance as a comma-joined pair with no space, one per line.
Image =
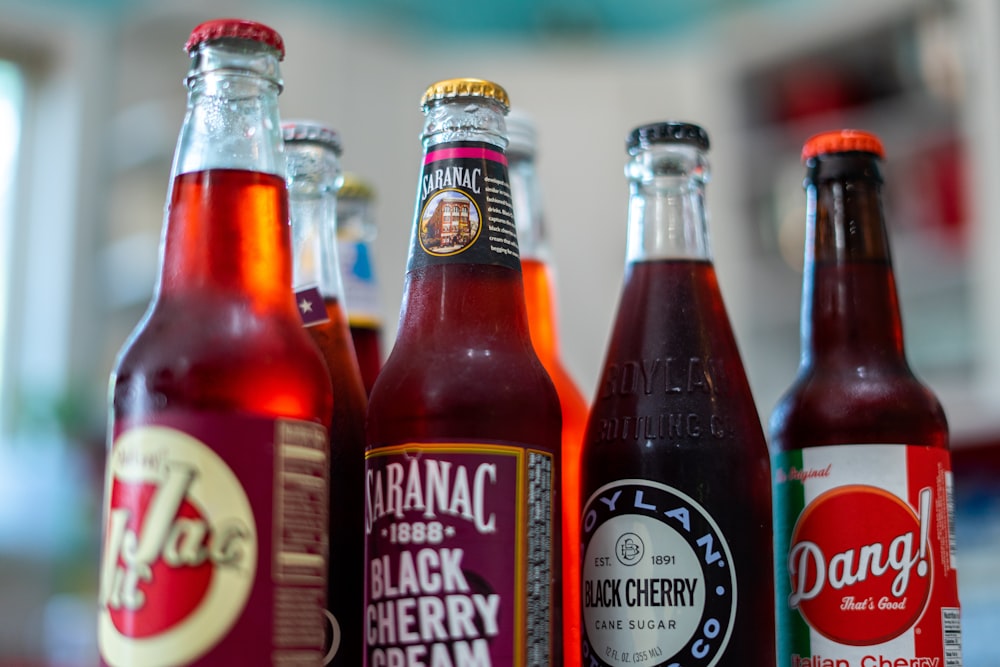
219,459
312,153
356,234
462,505
676,520
864,531
540,298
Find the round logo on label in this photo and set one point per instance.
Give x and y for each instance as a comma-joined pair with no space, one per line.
659,585
449,223
180,551
630,549
859,566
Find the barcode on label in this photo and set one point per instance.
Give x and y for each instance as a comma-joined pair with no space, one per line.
949,486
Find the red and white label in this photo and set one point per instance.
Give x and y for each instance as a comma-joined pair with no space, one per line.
866,557
180,552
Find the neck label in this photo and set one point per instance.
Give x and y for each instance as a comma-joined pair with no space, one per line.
464,209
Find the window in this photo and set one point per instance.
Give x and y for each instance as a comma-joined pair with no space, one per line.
11,97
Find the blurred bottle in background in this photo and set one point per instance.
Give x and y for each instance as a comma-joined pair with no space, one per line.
356,232
540,298
220,401
675,471
864,525
312,152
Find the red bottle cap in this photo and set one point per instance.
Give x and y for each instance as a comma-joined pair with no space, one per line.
842,141
235,29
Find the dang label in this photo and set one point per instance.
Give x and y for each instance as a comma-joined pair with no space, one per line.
658,584
865,557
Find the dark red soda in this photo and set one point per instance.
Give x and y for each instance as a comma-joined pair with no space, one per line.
438,378
347,473
368,349
834,404
673,406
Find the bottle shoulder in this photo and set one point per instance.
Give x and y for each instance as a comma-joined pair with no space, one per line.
844,406
499,393
221,356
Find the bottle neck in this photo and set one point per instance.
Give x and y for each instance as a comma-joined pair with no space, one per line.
666,213
313,179
849,305
532,239
227,214
232,119
464,269
536,267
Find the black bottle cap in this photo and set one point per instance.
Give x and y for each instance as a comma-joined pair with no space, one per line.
671,132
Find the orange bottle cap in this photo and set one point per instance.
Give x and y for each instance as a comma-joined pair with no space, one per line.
842,141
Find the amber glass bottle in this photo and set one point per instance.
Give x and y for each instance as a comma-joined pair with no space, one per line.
464,422
312,153
356,232
676,521
862,474
219,457
540,298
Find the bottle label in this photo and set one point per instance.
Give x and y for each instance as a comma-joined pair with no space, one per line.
865,557
658,579
459,555
360,288
464,209
214,542
312,308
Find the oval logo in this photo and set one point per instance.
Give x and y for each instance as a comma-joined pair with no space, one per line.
180,550
859,565
658,579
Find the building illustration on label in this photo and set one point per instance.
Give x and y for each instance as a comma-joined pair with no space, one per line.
659,584
861,582
449,223
181,550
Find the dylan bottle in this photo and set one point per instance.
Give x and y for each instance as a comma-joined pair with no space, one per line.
676,518
540,298
864,527
312,152
215,537
462,467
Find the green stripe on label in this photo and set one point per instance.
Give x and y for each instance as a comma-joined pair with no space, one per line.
789,501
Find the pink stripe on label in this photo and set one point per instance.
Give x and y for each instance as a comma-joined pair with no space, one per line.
465,152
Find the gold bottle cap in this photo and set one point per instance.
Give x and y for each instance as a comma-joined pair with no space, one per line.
355,187
451,88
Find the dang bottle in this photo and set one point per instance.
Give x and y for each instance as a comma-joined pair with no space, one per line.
218,459
462,466
864,532
676,517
